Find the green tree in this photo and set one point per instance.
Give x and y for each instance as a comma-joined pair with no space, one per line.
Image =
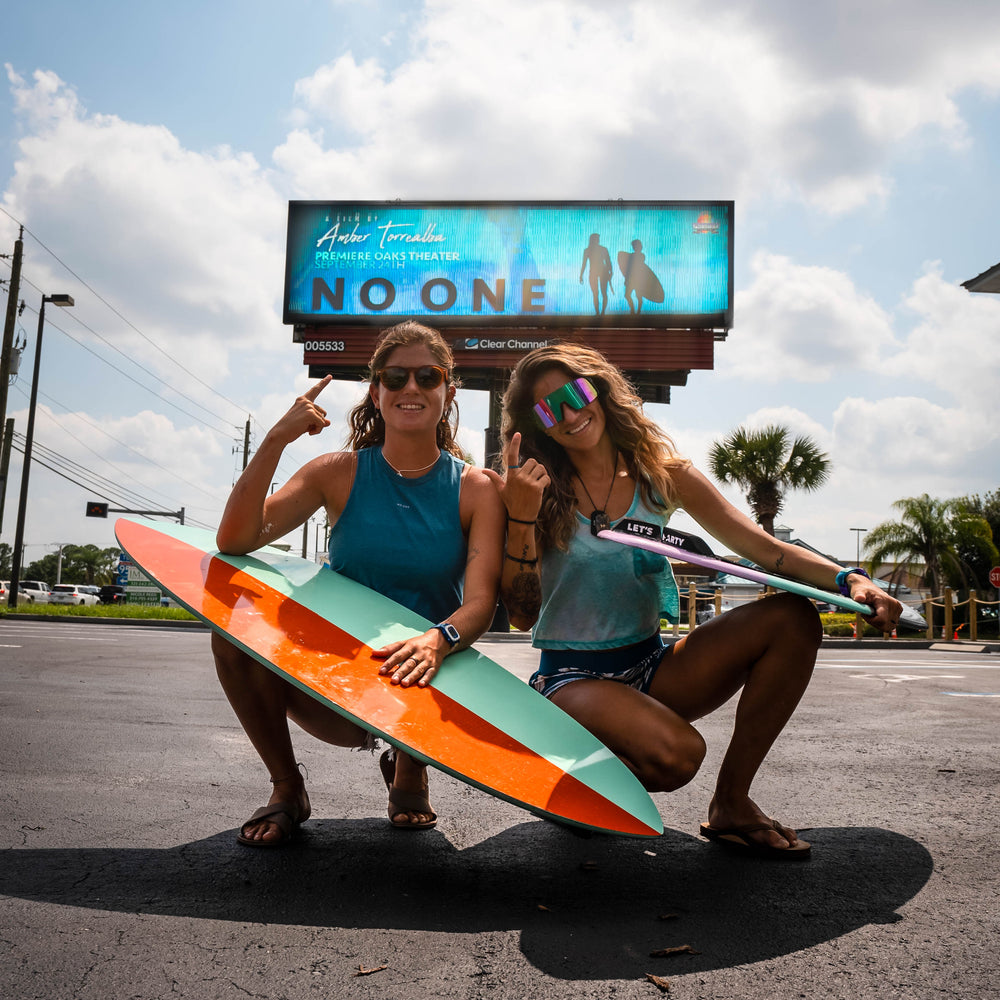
80,564
42,569
6,560
89,564
978,556
936,533
765,465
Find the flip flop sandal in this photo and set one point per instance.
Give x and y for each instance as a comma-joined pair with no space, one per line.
284,815
736,838
404,802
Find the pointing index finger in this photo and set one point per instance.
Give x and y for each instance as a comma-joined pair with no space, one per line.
314,390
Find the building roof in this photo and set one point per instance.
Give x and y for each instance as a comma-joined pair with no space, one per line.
988,281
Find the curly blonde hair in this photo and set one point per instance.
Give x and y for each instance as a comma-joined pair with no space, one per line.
649,454
367,428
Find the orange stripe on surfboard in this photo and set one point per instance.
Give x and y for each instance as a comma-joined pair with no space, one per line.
318,655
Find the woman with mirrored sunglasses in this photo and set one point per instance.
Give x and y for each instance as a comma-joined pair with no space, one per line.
409,518
577,445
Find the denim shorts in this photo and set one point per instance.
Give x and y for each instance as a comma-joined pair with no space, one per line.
634,665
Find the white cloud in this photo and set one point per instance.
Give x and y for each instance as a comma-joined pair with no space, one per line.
955,345
705,100
761,102
800,322
191,242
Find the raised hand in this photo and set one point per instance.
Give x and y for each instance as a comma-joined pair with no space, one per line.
305,416
522,485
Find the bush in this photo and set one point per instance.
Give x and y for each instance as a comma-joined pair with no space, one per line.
126,611
842,626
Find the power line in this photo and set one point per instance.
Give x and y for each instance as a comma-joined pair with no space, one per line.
87,476
139,455
124,374
111,493
123,318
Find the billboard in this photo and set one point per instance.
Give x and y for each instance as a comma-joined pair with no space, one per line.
489,265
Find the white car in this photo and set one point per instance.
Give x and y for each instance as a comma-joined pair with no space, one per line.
70,593
35,591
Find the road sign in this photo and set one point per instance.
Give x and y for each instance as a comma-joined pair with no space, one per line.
995,577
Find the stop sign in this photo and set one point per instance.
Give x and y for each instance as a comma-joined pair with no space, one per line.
995,577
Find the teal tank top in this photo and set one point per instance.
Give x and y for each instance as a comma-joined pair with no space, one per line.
602,595
403,537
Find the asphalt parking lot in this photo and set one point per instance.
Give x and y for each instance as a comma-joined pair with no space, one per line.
125,776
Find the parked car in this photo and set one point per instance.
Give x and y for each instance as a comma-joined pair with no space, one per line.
111,593
35,591
70,593
4,590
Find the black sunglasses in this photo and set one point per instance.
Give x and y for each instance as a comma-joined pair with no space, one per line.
427,376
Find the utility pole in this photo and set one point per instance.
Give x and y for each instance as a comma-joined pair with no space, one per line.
5,446
8,328
7,427
246,444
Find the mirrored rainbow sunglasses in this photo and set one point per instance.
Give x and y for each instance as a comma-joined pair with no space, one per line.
576,394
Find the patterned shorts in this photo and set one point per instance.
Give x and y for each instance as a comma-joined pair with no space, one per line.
634,665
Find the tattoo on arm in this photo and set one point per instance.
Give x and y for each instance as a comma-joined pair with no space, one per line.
780,562
525,595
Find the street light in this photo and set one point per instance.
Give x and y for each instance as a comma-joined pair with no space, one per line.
22,506
857,535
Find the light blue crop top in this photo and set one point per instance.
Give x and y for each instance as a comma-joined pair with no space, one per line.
602,595
403,537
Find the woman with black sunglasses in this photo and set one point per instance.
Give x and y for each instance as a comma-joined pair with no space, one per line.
409,519
577,446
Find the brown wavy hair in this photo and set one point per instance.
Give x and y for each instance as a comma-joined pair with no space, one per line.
649,454
367,429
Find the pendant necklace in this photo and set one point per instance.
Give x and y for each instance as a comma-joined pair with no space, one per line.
599,519
400,472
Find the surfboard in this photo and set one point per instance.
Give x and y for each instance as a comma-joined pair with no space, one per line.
475,720
677,545
639,276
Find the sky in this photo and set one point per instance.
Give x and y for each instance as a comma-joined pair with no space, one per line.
150,153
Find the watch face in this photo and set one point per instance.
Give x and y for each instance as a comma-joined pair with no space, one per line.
450,632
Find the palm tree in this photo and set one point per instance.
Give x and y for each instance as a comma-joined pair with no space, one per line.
935,532
762,463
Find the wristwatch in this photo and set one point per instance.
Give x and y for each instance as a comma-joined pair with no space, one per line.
450,633
842,579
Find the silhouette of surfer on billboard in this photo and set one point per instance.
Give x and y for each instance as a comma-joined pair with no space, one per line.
638,278
601,272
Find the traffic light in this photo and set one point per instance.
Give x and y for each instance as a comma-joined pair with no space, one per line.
95,509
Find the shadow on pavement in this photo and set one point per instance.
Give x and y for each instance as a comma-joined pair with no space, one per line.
585,908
